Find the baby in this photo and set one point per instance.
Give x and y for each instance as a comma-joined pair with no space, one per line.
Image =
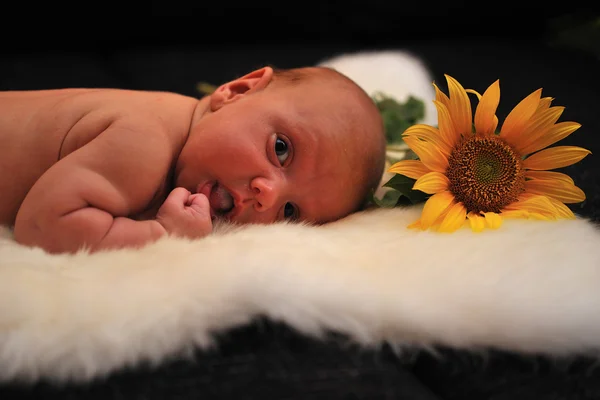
108,168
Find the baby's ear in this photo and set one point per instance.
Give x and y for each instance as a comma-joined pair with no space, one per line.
236,89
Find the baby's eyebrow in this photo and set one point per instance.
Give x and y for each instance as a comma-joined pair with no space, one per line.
300,128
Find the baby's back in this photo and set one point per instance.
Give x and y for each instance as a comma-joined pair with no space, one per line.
39,128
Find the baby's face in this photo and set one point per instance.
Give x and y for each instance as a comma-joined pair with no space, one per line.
273,155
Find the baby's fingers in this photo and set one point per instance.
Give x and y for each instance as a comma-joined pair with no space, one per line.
178,197
199,203
199,207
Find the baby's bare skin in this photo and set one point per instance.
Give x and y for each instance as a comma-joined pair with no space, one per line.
80,157
104,168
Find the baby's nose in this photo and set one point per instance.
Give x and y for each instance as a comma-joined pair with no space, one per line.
266,193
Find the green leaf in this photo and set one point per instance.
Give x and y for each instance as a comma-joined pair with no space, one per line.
397,117
403,185
389,199
399,182
401,193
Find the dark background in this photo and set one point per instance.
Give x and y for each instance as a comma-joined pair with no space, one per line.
172,45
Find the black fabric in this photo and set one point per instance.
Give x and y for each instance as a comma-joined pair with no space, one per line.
269,361
264,361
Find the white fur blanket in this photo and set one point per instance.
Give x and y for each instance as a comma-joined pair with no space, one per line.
530,286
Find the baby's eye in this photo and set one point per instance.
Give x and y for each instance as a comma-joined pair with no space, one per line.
281,150
290,211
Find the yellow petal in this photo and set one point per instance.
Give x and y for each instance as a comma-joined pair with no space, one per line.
434,206
415,225
486,110
543,217
560,190
414,169
534,204
495,125
429,134
441,96
432,182
556,133
446,127
527,196
475,92
440,218
518,117
515,214
492,220
459,107
555,157
495,118
454,219
531,174
544,103
429,154
538,127
563,210
476,221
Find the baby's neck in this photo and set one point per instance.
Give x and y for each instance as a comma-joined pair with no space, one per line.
201,109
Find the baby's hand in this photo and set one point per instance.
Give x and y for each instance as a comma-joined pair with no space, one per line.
185,214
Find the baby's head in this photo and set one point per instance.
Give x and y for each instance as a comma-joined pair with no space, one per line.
304,143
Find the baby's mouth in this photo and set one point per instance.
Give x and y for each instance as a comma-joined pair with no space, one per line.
221,201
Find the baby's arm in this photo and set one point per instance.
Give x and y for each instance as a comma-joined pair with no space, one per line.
85,199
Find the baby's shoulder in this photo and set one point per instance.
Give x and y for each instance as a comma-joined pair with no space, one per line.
133,115
119,103
166,112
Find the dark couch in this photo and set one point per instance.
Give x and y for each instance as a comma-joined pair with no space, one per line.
526,48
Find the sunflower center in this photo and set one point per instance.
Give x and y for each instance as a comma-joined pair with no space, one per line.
485,174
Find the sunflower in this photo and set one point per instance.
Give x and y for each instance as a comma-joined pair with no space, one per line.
477,176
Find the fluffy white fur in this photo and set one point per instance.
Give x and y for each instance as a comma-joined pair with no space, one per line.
530,286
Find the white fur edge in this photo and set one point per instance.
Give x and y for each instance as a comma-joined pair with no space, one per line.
529,286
